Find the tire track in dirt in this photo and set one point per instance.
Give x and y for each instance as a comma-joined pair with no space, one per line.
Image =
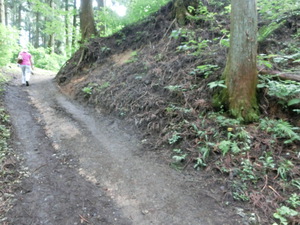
91,166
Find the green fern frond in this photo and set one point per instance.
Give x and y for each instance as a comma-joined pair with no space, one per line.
280,128
267,30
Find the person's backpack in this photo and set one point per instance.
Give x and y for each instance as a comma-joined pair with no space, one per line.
20,59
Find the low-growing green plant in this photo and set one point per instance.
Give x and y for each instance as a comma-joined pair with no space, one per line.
200,162
264,60
175,88
283,213
218,83
105,49
247,172
287,92
104,85
280,129
205,70
224,146
179,158
284,169
175,137
133,57
3,116
172,108
193,47
3,79
294,200
238,139
224,121
267,30
239,191
267,161
201,13
87,90
176,34
296,183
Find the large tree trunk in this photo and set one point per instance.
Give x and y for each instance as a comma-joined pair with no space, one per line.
87,22
241,71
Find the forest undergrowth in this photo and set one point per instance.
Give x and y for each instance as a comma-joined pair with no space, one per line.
161,79
10,175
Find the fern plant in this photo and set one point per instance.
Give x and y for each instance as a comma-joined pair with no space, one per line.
287,92
267,30
280,129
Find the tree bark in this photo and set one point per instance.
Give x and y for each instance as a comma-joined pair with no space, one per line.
241,72
87,22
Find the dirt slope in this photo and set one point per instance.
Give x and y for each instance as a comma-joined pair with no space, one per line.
154,75
87,168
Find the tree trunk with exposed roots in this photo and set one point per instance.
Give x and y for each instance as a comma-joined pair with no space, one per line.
181,11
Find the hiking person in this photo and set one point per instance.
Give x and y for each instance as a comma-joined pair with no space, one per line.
26,65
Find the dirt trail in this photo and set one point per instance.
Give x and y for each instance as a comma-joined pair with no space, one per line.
85,168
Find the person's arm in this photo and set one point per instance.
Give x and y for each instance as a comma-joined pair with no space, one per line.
31,63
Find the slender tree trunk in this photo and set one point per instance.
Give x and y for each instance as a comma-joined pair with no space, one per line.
67,27
74,31
87,22
6,14
37,30
45,40
51,36
51,43
30,31
100,4
19,16
241,72
2,12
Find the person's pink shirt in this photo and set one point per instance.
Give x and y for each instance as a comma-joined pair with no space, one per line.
26,58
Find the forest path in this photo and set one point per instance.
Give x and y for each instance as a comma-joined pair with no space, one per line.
86,168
